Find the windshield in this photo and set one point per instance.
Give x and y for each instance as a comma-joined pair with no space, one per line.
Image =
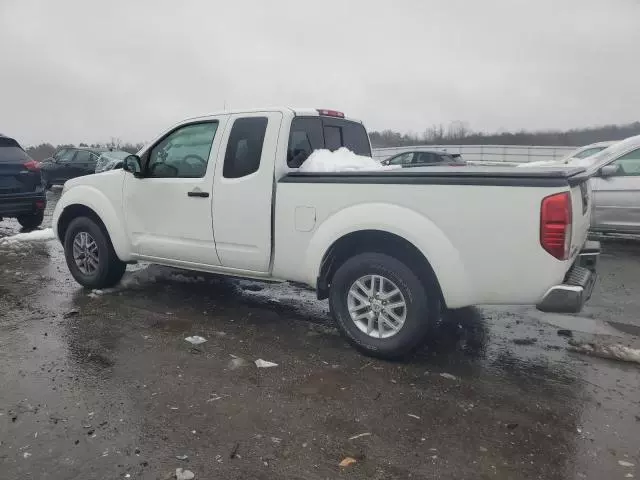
613,151
588,152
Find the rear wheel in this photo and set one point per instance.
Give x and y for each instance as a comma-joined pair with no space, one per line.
90,255
31,221
381,305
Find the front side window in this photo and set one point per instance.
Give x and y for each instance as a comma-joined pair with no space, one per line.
402,159
66,156
184,153
629,164
83,156
60,153
244,149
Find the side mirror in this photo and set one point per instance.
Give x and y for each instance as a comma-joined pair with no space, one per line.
132,165
609,171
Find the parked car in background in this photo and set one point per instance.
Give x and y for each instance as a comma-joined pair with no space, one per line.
110,160
425,158
22,194
615,184
70,163
579,158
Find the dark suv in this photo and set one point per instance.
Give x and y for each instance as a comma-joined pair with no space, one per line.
22,193
69,163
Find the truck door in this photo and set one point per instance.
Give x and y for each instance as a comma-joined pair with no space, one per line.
243,191
168,210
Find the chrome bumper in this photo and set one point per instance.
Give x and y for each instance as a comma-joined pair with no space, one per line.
575,291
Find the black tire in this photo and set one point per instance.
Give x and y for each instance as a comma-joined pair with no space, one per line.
110,268
31,221
422,305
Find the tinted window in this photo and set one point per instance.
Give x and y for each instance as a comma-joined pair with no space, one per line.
402,159
313,133
60,153
245,147
629,164
184,153
427,157
82,157
343,133
355,138
10,151
305,137
66,156
333,137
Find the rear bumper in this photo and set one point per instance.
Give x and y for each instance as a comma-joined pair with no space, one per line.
575,291
22,203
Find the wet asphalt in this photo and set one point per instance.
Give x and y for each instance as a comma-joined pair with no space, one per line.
104,386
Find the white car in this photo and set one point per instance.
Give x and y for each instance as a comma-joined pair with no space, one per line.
389,249
579,157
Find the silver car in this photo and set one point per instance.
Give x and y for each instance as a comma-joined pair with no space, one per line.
615,188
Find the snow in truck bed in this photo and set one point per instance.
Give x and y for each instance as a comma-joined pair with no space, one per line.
341,160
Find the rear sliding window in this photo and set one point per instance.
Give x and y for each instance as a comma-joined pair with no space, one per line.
313,133
10,151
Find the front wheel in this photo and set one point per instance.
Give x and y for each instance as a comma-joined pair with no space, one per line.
31,221
90,255
381,305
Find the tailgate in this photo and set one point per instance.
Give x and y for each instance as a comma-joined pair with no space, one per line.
581,208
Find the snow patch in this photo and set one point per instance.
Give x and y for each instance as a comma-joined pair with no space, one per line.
341,160
615,351
43,235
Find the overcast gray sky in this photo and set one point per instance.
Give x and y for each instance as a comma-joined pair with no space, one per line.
87,70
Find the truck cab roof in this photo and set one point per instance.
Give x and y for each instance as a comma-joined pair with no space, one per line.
296,111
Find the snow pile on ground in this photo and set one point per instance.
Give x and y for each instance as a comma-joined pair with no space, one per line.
33,236
342,160
615,351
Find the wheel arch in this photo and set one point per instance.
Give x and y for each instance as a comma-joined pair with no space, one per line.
94,205
396,231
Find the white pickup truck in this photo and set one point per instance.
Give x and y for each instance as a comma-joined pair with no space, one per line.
390,249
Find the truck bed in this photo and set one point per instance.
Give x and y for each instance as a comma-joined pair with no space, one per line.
477,231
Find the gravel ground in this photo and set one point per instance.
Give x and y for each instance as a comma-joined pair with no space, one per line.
103,385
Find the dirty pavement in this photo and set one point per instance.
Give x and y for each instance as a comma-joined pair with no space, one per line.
181,375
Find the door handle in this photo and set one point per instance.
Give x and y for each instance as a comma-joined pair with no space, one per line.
198,193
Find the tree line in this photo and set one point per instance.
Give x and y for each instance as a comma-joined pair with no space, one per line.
459,133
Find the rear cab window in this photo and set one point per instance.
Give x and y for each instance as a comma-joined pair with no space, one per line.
313,133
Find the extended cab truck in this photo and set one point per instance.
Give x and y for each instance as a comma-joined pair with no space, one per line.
390,249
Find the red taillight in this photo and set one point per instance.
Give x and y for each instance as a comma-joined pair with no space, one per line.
330,113
32,166
40,205
555,225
